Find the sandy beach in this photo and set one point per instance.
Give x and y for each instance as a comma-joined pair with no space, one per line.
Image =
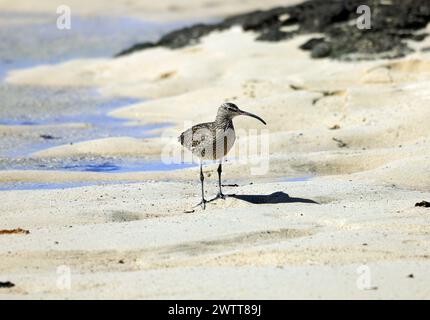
324,208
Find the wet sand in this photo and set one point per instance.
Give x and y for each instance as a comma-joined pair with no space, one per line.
334,216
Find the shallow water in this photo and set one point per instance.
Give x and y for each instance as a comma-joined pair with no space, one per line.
51,117
43,186
298,179
57,110
30,39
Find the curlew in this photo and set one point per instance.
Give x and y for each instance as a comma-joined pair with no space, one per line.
213,140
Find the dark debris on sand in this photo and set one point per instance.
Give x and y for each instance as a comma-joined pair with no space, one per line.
424,204
392,22
7,285
14,231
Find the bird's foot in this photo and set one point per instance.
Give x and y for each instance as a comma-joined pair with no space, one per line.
202,204
220,195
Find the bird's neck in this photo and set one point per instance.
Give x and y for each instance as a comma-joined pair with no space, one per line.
224,123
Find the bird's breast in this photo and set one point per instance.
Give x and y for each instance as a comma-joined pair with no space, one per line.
216,146
225,141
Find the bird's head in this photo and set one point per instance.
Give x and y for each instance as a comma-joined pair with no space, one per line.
229,110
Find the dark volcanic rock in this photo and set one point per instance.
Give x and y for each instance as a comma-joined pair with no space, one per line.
310,44
321,50
392,22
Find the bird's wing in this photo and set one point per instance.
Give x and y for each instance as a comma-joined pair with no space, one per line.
196,136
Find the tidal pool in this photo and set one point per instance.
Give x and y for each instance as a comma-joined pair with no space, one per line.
34,118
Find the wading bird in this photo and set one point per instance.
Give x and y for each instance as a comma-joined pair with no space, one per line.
213,140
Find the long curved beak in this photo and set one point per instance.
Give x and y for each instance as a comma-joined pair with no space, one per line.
249,114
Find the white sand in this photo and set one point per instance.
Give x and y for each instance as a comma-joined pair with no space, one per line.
232,250
382,118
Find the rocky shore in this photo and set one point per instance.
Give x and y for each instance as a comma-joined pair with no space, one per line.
391,24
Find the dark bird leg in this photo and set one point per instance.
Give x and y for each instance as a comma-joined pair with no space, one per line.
220,194
202,178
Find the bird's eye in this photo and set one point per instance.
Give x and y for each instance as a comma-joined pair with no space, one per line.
230,107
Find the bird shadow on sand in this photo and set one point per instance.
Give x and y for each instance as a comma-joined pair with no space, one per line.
274,198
